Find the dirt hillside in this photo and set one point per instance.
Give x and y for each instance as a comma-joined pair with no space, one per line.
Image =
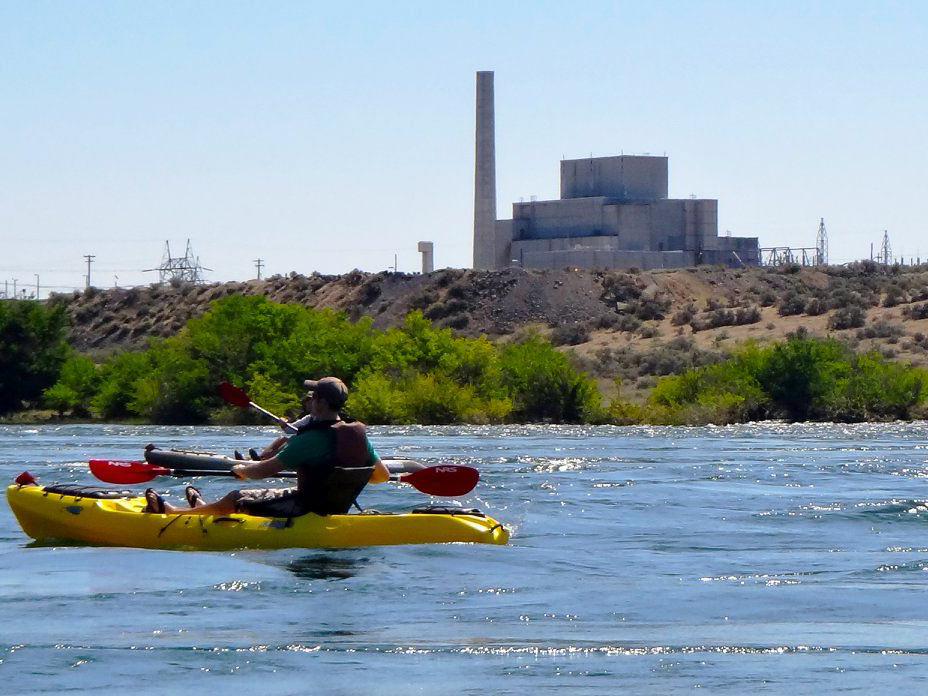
634,325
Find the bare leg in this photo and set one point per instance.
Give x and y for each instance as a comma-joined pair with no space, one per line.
223,506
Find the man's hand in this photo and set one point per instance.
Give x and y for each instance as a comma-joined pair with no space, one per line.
258,470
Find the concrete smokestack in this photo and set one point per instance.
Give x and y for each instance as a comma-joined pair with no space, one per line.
485,176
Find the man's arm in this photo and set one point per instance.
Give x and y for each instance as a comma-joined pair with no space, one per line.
258,470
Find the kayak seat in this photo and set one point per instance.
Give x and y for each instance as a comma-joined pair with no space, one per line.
339,489
89,492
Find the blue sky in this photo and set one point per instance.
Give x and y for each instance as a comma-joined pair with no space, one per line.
321,137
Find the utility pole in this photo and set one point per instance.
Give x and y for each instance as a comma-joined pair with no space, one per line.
90,258
36,286
14,287
258,264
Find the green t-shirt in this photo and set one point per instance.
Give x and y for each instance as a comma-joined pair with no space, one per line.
314,448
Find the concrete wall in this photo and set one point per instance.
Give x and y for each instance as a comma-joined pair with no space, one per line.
606,243
707,219
733,251
661,225
537,254
729,257
625,178
502,243
668,224
610,251
634,222
577,217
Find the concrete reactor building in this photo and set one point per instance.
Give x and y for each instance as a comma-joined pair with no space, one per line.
613,213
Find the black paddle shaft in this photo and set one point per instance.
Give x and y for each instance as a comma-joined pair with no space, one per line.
183,473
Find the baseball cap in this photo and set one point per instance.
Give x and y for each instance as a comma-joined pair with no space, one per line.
332,389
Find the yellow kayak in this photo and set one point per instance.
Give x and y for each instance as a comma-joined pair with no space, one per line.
110,518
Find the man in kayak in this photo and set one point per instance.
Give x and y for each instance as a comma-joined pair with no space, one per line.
325,447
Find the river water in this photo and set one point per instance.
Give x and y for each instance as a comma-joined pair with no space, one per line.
780,558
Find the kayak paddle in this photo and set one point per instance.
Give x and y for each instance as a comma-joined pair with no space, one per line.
112,471
239,397
442,481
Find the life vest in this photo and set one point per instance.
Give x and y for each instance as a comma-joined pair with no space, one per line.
350,440
350,469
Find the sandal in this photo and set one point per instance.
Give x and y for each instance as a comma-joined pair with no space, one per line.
154,502
193,496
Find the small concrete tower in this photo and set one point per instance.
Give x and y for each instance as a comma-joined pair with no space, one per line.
428,264
485,176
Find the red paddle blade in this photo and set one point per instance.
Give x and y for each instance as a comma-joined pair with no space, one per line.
443,481
234,395
125,472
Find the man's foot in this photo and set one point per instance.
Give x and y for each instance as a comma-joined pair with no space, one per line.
194,499
253,453
238,455
154,502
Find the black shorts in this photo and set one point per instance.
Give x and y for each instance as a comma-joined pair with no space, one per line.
270,502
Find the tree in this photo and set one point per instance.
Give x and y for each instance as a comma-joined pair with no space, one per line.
76,386
32,350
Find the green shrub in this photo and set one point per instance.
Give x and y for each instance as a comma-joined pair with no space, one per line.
649,309
376,399
77,383
880,328
177,390
850,317
684,315
415,373
543,385
619,288
916,312
815,307
800,379
792,304
117,384
629,323
725,317
446,308
894,296
32,350
570,334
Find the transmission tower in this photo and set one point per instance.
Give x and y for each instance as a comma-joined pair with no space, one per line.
886,251
182,269
821,245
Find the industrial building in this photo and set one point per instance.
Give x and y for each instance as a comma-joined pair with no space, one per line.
613,213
